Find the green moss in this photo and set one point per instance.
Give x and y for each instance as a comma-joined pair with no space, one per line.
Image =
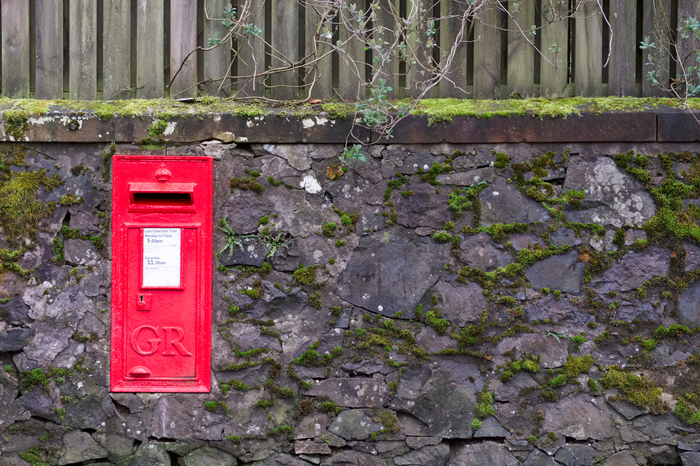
307,276
577,365
549,395
593,385
673,331
431,175
687,412
246,184
329,229
442,237
69,200
502,160
637,390
315,300
435,320
529,363
20,207
476,424
282,430
444,110
483,408
340,243
330,408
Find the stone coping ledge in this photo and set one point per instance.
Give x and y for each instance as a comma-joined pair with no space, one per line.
663,124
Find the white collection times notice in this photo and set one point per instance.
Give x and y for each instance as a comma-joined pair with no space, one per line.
161,257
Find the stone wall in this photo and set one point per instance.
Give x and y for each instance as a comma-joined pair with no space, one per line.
442,304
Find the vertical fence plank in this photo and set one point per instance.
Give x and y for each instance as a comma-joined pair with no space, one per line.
318,18
623,50
555,48
15,48
417,73
82,68
217,62
284,48
117,46
455,82
588,66
487,55
149,49
351,70
49,50
251,55
686,47
386,29
521,54
657,15
183,40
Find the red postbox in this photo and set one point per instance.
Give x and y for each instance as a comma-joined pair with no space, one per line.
161,273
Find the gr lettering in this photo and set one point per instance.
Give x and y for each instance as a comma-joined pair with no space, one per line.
147,333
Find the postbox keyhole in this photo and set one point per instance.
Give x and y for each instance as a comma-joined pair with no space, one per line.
144,302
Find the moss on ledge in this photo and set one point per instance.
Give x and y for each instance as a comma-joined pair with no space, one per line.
438,110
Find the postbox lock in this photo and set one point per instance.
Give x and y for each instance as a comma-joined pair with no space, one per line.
163,174
144,302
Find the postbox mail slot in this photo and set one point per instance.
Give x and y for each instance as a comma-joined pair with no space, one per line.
162,199
162,196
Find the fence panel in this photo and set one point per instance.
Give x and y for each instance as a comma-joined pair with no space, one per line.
623,50
117,49
555,50
251,56
655,27
298,32
688,9
82,65
149,49
455,84
521,56
15,48
183,33
217,62
487,55
588,51
285,49
49,50
387,28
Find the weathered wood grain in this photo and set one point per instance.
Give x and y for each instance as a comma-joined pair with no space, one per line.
455,82
487,55
15,48
588,55
82,67
117,49
284,49
149,49
318,23
521,53
623,49
183,40
49,50
657,15
217,62
555,48
389,61
251,55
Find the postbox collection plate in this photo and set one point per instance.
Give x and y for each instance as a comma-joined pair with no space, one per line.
161,273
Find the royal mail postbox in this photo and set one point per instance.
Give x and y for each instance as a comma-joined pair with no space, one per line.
161,274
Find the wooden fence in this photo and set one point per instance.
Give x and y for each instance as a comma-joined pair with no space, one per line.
115,49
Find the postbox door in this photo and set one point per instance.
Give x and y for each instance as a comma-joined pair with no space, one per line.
161,312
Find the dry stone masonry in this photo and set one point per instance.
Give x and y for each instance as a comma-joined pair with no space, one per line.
439,304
